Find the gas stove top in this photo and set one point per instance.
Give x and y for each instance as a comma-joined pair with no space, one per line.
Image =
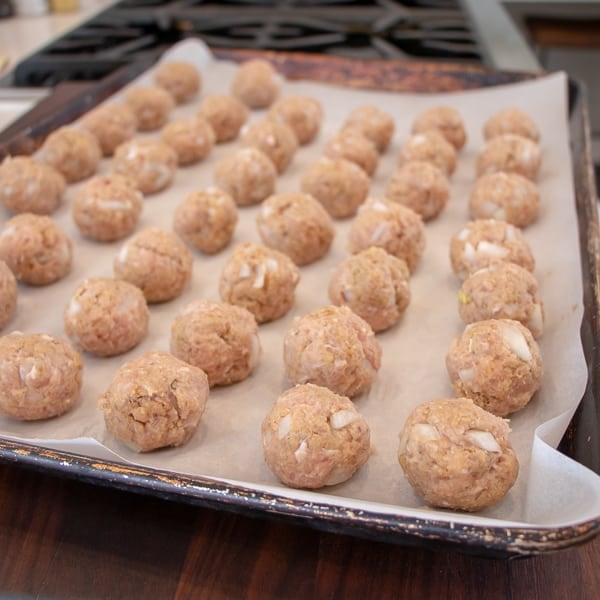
141,30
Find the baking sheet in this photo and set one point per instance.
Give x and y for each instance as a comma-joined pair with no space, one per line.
227,444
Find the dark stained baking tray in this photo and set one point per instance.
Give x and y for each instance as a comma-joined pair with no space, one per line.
581,441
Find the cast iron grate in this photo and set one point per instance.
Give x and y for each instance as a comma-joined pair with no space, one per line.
133,30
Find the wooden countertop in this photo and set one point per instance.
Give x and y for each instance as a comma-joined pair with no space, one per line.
64,539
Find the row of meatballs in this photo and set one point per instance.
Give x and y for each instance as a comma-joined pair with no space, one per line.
456,453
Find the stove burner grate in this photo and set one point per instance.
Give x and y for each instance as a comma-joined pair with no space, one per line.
141,30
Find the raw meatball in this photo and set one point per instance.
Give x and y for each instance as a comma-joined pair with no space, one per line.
332,347
219,338
107,207
502,291
301,113
256,84
40,376
35,249
75,153
225,114
312,437
206,220
446,120
192,139
511,120
505,196
421,186
487,241
111,124
340,185
151,165
151,105
297,225
154,401
261,280
429,146
396,228
30,186
276,139
157,261
497,364
181,79
375,124
355,147
8,294
247,175
374,284
106,317
510,153
456,455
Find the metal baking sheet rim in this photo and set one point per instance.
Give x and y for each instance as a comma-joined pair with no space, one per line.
401,529
210,493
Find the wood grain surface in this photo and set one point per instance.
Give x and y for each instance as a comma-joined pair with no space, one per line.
65,539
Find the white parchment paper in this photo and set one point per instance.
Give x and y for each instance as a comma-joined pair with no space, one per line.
551,490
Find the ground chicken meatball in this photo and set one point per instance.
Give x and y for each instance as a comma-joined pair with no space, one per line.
340,185
40,376
206,220
505,196
151,165
151,105
429,146
301,113
332,347
497,364
297,225
421,186
256,84
456,455
75,153
27,185
276,139
248,176
219,338
446,120
111,124
510,153
8,294
154,401
225,114
352,145
396,228
35,249
312,438
106,316
375,124
180,78
502,291
261,280
511,120
192,139
157,261
487,241
374,284
107,207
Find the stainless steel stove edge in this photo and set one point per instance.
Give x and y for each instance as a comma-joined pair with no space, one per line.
503,45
